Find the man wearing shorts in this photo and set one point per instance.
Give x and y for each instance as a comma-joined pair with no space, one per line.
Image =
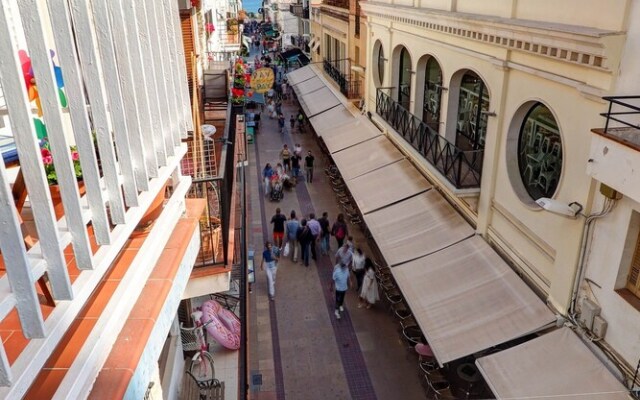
278,221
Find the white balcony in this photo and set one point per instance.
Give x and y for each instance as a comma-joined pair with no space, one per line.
123,103
615,150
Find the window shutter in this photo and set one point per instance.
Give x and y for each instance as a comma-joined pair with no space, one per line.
189,48
633,280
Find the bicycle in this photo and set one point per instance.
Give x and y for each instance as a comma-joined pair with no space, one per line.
201,369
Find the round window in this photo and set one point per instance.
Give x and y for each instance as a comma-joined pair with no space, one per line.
539,152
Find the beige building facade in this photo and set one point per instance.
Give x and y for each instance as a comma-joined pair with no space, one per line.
495,103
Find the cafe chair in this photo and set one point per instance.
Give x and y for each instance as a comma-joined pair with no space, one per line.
409,322
412,336
426,359
393,297
439,389
401,311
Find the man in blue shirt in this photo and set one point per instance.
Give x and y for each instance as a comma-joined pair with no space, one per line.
316,230
341,283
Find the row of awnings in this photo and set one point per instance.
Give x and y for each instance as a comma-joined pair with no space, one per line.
463,295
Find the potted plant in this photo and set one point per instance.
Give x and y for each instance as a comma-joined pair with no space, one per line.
52,175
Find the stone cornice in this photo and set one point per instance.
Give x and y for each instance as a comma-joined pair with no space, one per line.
587,47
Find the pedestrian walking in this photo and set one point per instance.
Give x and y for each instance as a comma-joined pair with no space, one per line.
281,122
267,173
325,234
292,122
284,87
305,238
308,166
339,230
350,243
297,149
340,283
270,258
295,166
357,266
285,156
291,230
316,230
344,255
369,294
278,221
300,121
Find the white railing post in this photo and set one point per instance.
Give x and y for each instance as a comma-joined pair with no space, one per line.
151,77
33,24
174,103
100,18
176,67
110,12
94,81
161,70
141,78
13,249
63,36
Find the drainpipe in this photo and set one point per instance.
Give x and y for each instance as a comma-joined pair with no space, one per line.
607,207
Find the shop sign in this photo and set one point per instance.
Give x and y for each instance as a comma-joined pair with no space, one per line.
262,80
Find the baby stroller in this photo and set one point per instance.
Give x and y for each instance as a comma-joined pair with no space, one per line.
277,192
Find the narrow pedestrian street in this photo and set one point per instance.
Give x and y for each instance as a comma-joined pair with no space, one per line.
298,349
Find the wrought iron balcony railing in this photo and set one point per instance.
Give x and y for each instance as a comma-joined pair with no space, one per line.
622,113
349,87
462,168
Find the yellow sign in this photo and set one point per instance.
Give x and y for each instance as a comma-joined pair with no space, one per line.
262,80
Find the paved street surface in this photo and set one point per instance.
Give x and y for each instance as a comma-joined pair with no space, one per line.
298,350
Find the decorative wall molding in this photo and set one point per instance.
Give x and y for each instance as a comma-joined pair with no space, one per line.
575,45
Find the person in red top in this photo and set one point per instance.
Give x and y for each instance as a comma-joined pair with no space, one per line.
278,221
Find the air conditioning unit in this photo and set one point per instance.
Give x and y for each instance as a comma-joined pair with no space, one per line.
588,311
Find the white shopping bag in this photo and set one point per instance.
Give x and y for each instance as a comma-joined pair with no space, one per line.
285,251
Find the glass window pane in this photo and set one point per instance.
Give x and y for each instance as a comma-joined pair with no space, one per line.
381,65
432,94
404,84
473,106
540,152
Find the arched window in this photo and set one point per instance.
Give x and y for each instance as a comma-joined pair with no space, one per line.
404,79
432,94
540,152
473,105
380,63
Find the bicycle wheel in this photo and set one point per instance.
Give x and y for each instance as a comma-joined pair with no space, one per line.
202,368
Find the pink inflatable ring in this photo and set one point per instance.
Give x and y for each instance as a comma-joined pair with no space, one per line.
224,326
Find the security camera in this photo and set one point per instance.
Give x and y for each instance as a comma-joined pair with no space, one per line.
557,207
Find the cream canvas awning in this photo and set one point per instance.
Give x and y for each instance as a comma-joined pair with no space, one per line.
467,299
343,136
387,185
331,119
557,365
309,86
416,227
300,75
365,157
317,101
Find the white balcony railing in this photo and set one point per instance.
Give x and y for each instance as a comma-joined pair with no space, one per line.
125,85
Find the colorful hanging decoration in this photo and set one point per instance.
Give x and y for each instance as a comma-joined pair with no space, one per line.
30,80
210,28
